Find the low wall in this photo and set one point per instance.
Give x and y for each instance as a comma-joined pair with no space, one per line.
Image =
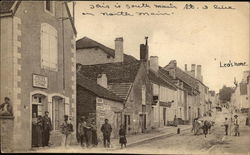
6,133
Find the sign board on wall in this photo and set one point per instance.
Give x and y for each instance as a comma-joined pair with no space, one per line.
40,81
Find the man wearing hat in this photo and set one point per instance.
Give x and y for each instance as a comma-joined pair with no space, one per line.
81,131
47,127
236,126
66,129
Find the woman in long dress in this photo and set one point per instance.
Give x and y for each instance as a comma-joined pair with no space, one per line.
34,131
122,134
40,131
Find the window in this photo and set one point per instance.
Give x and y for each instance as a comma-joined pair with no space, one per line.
49,47
59,109
49,7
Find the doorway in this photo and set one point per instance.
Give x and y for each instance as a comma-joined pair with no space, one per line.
143,121
164,116
38,109
127,123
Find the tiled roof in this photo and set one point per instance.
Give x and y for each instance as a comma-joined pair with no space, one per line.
5,6
115,72
86,42
185,77
243,88
98,90
160,80
120,89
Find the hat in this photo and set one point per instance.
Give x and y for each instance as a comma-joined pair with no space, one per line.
235,115
66,116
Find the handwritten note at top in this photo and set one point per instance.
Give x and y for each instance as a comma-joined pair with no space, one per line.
148,9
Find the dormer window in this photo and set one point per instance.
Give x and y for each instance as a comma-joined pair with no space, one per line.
49,7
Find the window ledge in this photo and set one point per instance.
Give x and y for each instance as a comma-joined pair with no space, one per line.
7,117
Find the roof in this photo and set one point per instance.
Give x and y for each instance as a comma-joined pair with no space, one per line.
160,80
5,6
183,76
115,72
120,76
243,88
98,90
121,89
86,42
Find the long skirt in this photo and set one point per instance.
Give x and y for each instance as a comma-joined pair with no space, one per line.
123,140
34,136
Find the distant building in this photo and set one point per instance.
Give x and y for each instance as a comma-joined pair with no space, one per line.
187,92
37,66
91,52
203,101
240,96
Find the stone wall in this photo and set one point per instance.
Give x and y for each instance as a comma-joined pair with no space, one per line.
6,133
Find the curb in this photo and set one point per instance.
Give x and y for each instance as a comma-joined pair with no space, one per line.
164,135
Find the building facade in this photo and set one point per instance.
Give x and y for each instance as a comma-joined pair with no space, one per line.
37,65
96,102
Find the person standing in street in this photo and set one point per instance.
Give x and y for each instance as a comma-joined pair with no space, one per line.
47,127
94,133
89,133
122,134
236,126
81,131
226,126
106,130
66,129
40,132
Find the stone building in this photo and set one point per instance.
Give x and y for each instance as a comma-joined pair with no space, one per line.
90,52
240,96
187,92
95,101
203,101
37,66
164,94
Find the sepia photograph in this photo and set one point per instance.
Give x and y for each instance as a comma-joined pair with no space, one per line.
127,77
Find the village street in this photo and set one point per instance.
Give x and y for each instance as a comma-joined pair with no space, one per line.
182,143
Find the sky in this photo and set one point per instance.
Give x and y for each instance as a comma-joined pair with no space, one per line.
208,37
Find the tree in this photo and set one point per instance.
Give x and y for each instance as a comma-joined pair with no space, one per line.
225,94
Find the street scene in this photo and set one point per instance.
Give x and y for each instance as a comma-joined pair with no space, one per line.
124,77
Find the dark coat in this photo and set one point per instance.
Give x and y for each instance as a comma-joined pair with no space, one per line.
106,129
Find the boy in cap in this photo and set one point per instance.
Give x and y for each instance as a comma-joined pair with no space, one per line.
66,129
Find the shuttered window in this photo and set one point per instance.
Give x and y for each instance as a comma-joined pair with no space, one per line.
49,47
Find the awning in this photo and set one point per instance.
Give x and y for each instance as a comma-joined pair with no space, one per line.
165,104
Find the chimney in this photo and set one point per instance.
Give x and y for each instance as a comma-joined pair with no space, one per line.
154,63
185,67
102,80
172,67
119,49
198,75
144,51
193,70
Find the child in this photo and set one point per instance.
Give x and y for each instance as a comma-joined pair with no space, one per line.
122,134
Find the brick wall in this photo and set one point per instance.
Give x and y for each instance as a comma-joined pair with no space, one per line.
6,133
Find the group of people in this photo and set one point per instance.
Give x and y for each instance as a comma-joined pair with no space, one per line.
41,127
235,123
87,133
201,126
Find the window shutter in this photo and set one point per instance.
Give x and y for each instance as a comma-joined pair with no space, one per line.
67,109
